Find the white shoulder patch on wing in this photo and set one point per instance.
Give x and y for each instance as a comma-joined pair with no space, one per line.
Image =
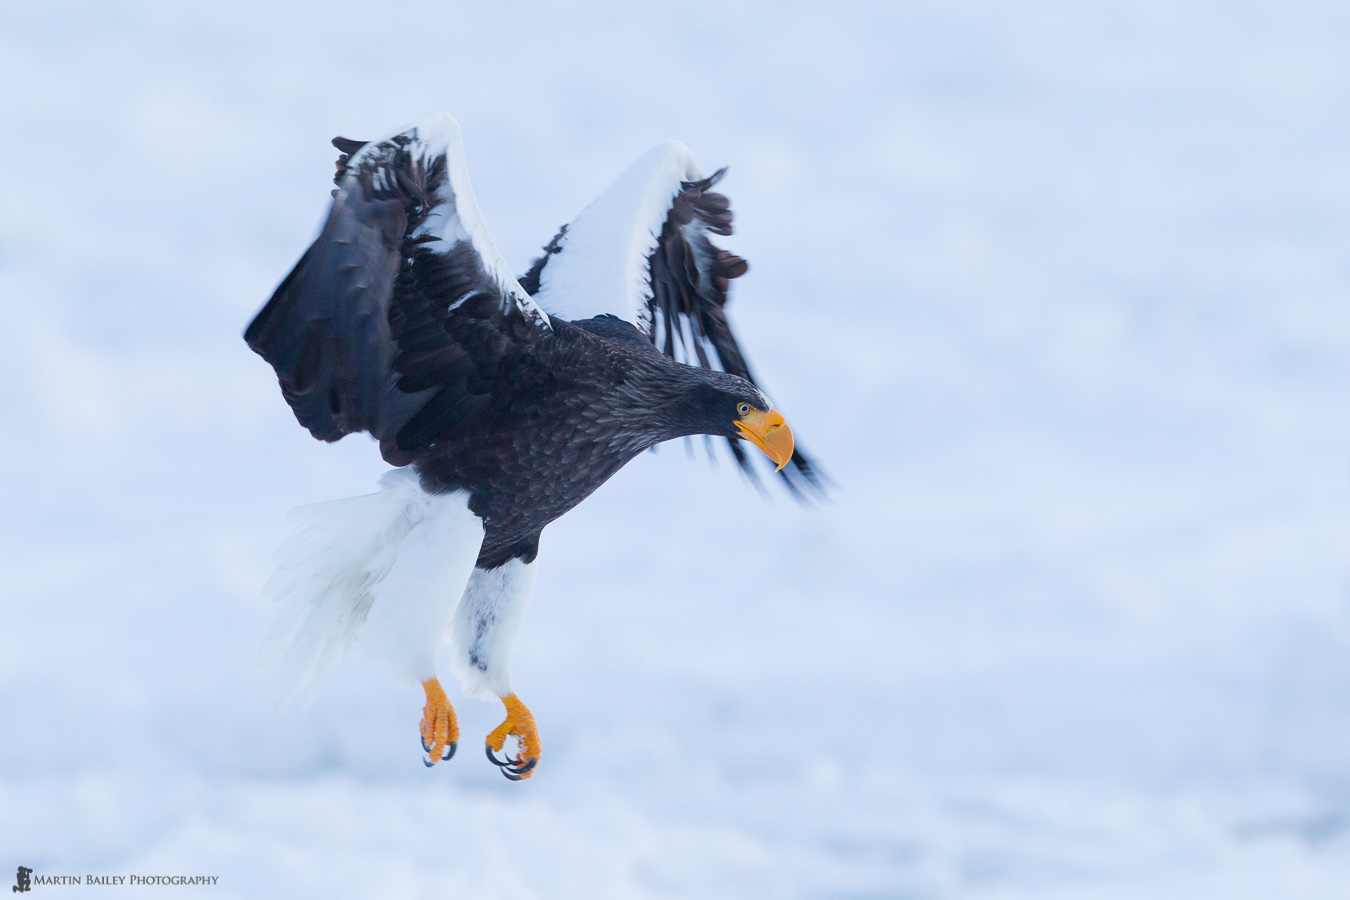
455,218
601,267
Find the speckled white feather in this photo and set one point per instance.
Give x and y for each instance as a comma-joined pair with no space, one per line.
486,623
602,267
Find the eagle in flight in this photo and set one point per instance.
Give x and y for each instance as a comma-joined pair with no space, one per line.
502,402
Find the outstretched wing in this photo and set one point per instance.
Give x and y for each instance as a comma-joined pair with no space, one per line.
643,252
395,318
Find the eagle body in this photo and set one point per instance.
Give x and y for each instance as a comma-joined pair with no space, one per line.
502,402
587,406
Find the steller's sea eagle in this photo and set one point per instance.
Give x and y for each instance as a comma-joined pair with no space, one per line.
503,402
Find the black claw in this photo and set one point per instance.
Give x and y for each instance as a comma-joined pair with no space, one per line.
506,763
518,773
449,749
426,761
513,768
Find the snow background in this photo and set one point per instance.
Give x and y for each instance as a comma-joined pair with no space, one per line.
1056,291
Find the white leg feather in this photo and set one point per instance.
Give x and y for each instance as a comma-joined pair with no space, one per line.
486,623
385,567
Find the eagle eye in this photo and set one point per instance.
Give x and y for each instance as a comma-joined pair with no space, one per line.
743,408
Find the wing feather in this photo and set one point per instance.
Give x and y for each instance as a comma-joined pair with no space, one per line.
373,330
643,252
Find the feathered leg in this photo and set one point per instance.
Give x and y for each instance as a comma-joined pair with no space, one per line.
486,623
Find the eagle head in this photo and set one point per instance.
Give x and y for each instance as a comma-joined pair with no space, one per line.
732,407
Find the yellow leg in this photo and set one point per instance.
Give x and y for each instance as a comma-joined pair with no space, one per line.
520,724
440,728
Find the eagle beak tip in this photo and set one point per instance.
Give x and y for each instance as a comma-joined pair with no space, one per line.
771,434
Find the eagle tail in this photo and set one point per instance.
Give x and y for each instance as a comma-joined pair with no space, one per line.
382,570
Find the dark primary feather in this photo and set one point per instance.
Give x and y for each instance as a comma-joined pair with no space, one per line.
380,329
690,278
386,328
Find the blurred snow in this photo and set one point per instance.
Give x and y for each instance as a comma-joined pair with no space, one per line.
1056,291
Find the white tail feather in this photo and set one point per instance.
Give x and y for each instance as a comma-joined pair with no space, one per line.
399,558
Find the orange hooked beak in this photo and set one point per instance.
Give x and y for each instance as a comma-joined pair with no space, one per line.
769,432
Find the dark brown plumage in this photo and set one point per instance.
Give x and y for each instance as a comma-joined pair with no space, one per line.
510,401
386,327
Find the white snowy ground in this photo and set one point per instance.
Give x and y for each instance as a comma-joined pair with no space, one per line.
1059,293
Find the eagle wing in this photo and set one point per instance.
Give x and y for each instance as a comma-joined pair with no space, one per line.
396,320
643,252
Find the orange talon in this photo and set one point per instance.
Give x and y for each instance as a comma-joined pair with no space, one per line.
519,724
440,728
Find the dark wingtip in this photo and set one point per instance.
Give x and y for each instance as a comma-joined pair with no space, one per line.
347,145
807,482
802,477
